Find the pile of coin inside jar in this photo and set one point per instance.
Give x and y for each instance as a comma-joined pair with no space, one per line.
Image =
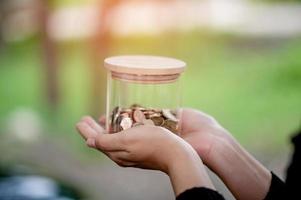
136,115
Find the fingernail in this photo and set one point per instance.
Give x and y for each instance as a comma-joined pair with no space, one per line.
91,143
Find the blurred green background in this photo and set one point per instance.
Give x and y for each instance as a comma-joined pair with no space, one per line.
251,83
254,90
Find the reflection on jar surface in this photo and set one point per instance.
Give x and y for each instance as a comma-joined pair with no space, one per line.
143,90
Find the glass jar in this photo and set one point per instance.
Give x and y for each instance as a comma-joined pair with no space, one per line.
143,90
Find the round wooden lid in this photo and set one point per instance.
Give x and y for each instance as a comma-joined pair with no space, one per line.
144,65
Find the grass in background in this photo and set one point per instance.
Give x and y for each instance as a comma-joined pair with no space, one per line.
252,86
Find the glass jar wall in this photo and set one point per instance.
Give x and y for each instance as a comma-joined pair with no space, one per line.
143,90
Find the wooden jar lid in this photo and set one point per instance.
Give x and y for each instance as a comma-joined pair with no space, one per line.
144,65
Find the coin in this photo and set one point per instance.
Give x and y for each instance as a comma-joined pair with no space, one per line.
156,110
137,107
171,125
167,113
174,112
125,114
155,115
148,122
126,123
158,121
138,116
115,114
148,112
117,127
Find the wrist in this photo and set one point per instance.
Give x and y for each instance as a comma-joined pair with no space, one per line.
181,157
186,171
229,158
219,147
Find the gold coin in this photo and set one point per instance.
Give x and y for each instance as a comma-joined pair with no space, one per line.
158,121
156,114
174,112
137,115
117,124
167,114
148,112
125,114
156,110
137,107
148,122
115,114
171,125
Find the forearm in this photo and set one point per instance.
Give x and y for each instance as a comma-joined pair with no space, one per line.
188,172
245,177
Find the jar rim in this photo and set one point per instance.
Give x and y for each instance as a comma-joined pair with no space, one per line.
145,79
144,65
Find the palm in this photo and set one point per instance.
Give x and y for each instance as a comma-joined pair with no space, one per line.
200,130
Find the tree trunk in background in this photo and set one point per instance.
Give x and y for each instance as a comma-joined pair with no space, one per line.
49,58
1,21
101,44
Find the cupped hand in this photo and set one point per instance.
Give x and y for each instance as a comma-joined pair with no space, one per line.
245,177
202,132
144,146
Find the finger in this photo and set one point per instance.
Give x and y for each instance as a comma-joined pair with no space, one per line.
122,155
85,130
93,124
91,142
190,120
123,163
120,158
102,120
111,142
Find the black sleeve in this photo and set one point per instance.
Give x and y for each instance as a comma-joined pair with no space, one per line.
277,189
293,176
291,188
200,193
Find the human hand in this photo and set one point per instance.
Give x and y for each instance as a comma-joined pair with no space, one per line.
224,155
149,147
202,132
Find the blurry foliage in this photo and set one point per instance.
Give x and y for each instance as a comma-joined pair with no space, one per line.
252,86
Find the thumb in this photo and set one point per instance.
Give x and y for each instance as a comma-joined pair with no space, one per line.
111,142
